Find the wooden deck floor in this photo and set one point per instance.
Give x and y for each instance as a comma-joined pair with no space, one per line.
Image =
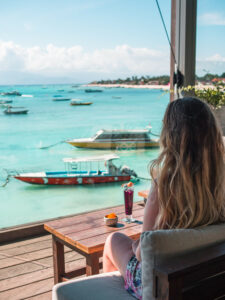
26,268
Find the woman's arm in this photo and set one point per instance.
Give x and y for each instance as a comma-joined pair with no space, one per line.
150,214
151,208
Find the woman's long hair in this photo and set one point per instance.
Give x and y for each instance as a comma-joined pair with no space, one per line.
191,167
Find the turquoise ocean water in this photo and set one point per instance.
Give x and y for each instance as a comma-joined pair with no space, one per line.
49,122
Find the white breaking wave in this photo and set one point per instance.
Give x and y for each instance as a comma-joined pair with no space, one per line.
27,96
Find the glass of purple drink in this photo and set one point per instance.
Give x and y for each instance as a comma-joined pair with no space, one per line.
128,201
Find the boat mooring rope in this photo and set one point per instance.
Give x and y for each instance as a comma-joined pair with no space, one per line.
151,133
6,181
52,145
164,26
143,178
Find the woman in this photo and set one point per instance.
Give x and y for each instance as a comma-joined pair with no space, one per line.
189,190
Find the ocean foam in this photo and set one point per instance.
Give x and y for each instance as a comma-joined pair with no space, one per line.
27,96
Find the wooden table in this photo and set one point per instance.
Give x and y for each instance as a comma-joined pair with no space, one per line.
86,234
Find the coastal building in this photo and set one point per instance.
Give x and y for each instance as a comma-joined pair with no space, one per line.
216,80
153,82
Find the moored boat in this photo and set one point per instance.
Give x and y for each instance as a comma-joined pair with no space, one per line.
79,171
5,101
16,110
118,139
13,93
61,99
93,91
79,102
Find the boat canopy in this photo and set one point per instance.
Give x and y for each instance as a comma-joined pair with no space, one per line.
128,131
90,159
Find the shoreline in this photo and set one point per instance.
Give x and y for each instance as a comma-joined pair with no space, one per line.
131,86
149,86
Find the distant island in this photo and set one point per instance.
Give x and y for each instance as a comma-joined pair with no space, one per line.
155,82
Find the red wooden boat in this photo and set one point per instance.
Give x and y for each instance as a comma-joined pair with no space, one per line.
78,172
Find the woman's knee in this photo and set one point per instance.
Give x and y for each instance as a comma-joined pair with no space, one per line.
117,242
111,239
115,238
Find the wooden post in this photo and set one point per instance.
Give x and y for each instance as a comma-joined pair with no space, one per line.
172,51
165,288
58,260
175,288
92,264
185,43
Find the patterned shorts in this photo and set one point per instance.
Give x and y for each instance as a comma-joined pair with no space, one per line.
133,278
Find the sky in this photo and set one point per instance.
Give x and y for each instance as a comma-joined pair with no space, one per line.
77,41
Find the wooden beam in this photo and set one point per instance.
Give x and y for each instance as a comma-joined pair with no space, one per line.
22,232
58,260
185,44
172,51
199,274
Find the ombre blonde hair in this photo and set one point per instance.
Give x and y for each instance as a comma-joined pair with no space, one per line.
191,167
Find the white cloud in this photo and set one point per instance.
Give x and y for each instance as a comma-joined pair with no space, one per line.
214,64
74,64
52,60
216,58
212,19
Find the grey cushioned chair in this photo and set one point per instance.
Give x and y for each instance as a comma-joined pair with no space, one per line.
157,248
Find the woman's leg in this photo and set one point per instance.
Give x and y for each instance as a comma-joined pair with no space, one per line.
117,253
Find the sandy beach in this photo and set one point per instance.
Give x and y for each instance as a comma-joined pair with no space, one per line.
149,86
132,86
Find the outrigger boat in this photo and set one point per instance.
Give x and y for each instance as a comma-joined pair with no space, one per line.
15,110
79,171
79,102
13,93
93,91
3,102
118,139
61,99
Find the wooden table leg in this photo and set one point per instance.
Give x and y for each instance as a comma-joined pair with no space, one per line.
92,264
58,260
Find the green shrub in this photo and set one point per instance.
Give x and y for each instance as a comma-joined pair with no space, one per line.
214,96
